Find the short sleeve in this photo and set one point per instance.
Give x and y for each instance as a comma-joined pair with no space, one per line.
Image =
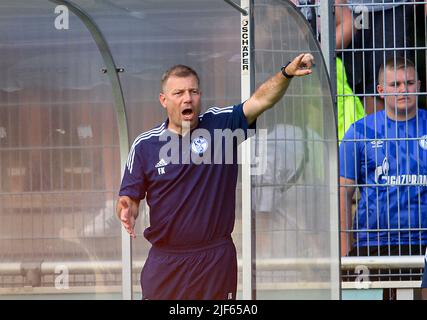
239,120
133,182
349,157
230,118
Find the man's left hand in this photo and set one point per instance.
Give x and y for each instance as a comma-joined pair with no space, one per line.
301,65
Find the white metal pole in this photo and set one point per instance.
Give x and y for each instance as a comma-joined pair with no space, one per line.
327,22
247,222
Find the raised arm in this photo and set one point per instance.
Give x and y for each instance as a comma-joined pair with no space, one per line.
347,189
271,91
344,25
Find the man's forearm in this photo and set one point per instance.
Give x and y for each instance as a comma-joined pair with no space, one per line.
266,96
345,214
271,91
346,203
344,28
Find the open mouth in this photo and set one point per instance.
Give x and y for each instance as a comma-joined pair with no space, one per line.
187,113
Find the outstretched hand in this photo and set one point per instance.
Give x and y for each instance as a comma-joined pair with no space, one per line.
301,65
127,211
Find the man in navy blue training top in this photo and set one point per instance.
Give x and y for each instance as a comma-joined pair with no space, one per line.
186,168
385,155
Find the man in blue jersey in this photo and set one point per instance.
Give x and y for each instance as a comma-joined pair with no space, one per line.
385,156
191,193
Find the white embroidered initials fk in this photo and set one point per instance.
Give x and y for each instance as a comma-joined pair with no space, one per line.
161,166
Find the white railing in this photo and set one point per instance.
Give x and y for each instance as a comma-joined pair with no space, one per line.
347,263
280,264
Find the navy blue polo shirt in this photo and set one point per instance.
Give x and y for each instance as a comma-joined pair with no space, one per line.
189,181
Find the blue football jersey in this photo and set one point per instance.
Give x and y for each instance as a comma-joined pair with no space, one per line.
388,161
189,181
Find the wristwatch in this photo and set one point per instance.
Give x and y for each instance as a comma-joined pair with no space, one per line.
284,72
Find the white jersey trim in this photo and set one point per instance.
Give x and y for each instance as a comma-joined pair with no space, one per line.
155,132
216,110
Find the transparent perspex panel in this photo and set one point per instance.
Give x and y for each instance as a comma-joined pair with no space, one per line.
148,37
59,158
292,191
59,153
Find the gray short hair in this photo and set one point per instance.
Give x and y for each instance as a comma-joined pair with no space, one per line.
179,70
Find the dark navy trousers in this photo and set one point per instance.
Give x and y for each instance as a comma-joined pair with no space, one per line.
206,272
